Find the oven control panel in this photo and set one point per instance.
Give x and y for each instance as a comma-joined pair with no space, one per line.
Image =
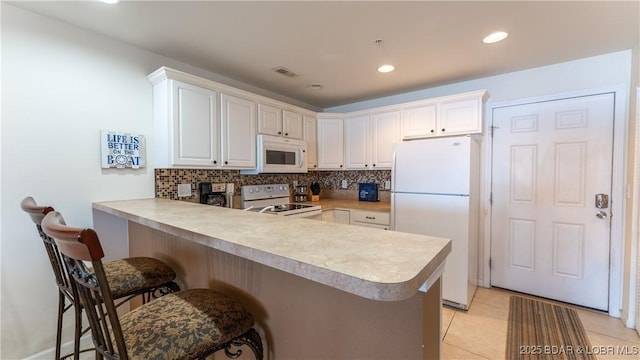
256,192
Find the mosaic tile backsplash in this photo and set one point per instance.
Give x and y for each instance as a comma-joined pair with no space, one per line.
167,180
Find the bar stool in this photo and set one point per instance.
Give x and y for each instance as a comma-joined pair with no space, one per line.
128,278
189,324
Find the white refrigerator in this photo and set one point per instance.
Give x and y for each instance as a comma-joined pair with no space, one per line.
435,190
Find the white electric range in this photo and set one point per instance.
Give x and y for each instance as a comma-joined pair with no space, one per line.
274,199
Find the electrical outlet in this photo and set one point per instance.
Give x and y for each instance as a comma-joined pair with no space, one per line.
343,184
184,190
387,185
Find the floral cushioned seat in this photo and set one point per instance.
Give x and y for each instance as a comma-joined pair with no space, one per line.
183,325
127,276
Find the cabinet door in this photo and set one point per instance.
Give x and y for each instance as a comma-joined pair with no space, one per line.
292,125
419,122
337,216
194,125
238,132
384,132
357,143
330,144
311,137
269,120
461,117
342,216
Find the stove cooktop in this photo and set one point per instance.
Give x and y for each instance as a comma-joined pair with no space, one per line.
289,207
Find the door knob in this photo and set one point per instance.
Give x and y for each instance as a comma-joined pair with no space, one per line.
601,214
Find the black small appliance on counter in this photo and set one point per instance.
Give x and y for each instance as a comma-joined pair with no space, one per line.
213,194
368,192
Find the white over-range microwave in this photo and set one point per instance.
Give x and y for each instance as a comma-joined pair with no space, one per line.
280,155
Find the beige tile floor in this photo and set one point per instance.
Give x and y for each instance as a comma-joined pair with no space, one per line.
481,332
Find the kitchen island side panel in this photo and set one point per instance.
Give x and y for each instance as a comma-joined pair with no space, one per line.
298,318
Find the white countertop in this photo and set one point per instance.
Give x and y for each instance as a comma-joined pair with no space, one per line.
375,264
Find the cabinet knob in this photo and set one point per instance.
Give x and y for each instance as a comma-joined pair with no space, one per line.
340,165
315,165
432,131
215,161
286,134
279,132
366,165
442,129
226,162
374,165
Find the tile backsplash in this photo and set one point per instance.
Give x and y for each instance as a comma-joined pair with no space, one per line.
167,180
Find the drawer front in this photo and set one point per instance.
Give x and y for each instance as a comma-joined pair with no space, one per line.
375,226
370,217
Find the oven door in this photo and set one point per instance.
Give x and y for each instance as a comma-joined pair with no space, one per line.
280,155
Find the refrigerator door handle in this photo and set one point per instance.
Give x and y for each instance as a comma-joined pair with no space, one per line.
393,173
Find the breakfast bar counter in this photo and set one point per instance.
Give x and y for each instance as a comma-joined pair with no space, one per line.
318,290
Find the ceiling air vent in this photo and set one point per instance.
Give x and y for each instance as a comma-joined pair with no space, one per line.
284,71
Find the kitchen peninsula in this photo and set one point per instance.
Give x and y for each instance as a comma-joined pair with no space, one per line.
318,290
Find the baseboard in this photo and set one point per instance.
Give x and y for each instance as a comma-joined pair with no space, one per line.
627,320
67,348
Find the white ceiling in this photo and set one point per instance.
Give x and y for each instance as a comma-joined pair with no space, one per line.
332,42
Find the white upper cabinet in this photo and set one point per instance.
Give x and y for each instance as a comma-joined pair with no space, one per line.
460,117
330,143
385,130
369,140
238,132
277,122
357,141
202,123
310,125
292,125
269,120
419,121
451,115
185,124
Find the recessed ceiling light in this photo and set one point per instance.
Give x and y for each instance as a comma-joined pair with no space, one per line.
386,68
315,86
110,2
495,37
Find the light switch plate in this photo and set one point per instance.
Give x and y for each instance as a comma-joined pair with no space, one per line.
184,190
343,184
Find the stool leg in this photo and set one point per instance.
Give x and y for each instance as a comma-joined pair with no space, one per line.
77,309
61,300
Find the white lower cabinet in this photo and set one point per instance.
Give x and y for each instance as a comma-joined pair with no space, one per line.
373,219
336,215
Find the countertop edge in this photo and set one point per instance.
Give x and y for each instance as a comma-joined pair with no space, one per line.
381,291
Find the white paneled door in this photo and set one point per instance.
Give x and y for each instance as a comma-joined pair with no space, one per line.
549,235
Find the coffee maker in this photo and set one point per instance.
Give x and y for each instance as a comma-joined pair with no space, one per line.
214,194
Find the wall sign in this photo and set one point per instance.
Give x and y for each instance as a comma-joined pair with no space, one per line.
122,150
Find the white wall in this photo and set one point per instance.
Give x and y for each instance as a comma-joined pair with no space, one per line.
60,86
